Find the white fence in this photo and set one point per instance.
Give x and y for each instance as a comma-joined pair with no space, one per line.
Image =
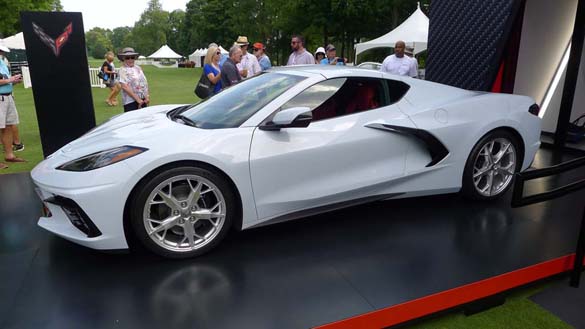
26,77
161,65
94,80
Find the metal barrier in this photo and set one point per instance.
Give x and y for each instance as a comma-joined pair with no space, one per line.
519,200
16,67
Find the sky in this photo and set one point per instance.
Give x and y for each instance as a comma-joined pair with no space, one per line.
114,13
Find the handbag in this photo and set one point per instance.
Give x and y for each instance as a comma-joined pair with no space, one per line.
204,87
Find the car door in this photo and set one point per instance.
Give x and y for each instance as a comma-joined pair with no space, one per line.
339,157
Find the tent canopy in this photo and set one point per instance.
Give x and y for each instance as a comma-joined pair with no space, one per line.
15,42
202,52
414,31
165,52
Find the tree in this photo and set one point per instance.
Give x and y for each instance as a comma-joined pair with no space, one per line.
176,18
98,42
118,37
150,32
10,13
273,22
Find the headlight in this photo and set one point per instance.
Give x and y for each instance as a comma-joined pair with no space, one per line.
102,159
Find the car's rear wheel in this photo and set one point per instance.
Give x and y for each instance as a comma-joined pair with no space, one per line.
183,212
490,168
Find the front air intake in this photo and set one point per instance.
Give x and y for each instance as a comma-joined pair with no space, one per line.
76,215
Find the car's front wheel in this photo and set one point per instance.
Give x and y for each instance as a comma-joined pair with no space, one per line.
490,168
182,212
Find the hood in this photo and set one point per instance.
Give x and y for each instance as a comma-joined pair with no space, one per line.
132,128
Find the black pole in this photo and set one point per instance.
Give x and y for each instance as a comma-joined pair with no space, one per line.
579,254
571,77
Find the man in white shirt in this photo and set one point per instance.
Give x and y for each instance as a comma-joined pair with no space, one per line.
249,65
299,56
409,52
398,63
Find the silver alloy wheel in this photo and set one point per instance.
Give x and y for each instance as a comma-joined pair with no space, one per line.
184,213
494,166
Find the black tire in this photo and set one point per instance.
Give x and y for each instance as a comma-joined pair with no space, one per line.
180,190
470,189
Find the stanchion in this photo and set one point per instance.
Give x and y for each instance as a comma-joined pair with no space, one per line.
579,254
519,200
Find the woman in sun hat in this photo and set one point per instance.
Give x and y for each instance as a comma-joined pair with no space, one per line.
135,93
319,55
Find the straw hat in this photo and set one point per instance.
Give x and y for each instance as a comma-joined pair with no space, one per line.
242,40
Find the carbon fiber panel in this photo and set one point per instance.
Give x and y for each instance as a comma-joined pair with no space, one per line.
466,40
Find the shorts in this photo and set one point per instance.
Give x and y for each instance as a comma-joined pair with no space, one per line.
111,83
8,114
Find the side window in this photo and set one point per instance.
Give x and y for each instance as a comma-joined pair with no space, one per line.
341,96
396,90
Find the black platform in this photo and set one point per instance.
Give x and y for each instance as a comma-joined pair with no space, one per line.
293,275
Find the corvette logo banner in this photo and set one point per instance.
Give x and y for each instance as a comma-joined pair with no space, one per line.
57,60
55,44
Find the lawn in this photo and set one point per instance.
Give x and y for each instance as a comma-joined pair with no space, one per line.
518,312
168,86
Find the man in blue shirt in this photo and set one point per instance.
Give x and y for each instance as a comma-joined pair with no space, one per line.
331,57
8,114
263,60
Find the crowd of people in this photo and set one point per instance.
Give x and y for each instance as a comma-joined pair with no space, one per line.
223,71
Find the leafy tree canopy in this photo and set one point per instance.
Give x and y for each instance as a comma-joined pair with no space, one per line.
10,13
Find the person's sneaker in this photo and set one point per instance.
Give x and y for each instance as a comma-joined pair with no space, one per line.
18,147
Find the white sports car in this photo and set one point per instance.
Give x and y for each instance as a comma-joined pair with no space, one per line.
286,144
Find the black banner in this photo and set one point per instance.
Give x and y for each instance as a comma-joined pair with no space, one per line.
467,40
55,48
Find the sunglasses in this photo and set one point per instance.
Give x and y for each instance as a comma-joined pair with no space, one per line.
218,53
294,42
256,49
130,57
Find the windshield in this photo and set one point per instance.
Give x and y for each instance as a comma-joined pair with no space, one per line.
235,105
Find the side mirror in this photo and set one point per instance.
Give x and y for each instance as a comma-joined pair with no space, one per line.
294,117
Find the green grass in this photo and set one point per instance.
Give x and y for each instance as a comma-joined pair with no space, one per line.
167,86
518,312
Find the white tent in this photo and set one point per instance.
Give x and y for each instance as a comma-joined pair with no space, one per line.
414,31
197,55
165,52
15,42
